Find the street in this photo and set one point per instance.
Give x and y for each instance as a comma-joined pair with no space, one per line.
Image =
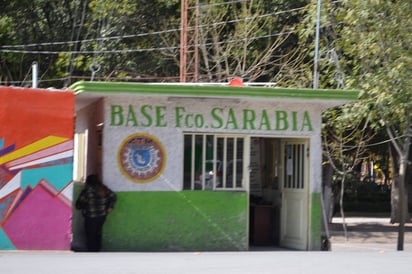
207,262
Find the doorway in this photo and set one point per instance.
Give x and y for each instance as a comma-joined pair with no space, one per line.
278,212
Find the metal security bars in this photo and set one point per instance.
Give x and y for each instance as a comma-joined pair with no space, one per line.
213,162
294,166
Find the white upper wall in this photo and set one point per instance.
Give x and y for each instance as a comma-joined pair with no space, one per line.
167,118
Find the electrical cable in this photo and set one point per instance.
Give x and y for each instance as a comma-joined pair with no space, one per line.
139,50
9,48
221,4
120,37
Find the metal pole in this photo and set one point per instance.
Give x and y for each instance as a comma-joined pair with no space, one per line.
315,68
196,44
183,40
34,74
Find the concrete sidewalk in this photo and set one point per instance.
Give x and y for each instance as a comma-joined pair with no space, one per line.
367,234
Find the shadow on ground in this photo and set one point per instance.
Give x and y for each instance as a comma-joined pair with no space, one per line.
367,230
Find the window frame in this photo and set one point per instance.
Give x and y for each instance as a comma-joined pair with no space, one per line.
232,148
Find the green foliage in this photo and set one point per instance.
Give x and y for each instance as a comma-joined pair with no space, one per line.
132,39
366,45
376,37
67,37
252,39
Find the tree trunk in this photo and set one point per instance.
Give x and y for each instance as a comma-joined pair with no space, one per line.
399,194
328,195
395,210
408,184
396,189
403,198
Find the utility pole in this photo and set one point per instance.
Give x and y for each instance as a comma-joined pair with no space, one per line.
189,42
316,58
183,39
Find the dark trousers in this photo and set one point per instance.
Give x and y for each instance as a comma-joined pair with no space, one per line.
94,227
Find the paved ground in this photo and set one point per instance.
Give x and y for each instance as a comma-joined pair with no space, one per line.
365,233
369,248
264,262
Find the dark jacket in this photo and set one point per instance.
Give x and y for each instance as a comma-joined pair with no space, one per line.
96,201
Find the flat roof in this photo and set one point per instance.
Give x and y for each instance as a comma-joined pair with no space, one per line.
87,92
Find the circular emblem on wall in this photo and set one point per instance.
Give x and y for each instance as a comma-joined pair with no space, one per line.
141,158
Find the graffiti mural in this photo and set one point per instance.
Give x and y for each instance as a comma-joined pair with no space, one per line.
36,166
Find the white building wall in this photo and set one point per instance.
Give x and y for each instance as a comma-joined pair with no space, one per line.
171,116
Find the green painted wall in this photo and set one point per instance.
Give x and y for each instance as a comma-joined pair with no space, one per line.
315,222
173,221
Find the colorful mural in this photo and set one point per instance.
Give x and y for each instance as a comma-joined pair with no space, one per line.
36,166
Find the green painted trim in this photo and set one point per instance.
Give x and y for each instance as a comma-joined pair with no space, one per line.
315,222
212,91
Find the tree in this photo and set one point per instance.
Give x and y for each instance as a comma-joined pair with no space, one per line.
382,65
344,143
371,39
24,23
83,38
125,42
254,40
129,40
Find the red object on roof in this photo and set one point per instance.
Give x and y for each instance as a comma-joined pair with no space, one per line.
236,82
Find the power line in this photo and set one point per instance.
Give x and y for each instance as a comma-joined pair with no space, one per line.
14,48
221,4
140,50
120,37
249,18
86,51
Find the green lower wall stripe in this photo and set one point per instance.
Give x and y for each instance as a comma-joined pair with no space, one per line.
182,221
173,221
315,221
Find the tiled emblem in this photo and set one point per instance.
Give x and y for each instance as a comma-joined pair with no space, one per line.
141,158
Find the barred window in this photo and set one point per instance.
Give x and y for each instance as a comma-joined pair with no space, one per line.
213,162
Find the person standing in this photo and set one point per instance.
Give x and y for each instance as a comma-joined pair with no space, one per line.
95,201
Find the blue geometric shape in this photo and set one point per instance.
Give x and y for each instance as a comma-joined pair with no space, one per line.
1,142
6,150
57,176
5,243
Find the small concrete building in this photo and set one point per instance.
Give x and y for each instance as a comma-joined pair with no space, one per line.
203,167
